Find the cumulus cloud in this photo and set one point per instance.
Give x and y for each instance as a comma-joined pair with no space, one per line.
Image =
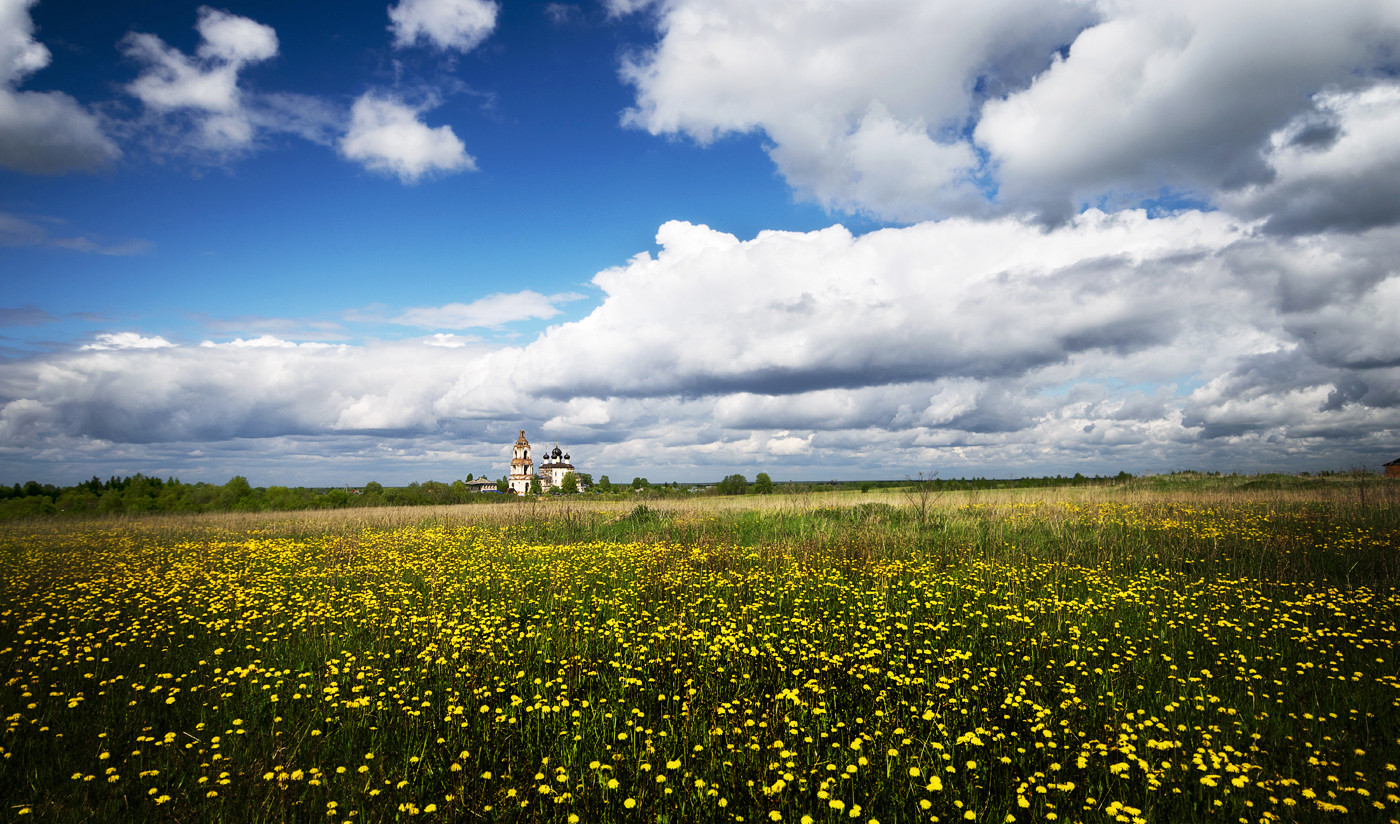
204,86
1184,95
41,132
386,136
450,341
865,103
917,110
262,388
126,340
491,312
1115,341
1336,167
802,311
459,25
264,341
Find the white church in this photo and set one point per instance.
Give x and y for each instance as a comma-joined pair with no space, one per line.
551,472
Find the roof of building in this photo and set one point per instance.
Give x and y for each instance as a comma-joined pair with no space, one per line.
1395,462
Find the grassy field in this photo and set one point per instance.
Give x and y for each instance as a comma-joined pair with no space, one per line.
1220,652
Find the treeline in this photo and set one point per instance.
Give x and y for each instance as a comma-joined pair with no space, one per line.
138,493
968,484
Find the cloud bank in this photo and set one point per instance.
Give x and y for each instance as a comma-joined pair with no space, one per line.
1132,236
1115,341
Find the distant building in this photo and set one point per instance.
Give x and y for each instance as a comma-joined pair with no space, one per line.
482,485
556,465
522,467
1392,469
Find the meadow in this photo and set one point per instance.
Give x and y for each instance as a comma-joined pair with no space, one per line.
1105,654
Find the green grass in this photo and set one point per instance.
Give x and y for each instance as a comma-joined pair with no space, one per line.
1218,655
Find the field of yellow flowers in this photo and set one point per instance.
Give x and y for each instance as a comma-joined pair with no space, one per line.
1035,661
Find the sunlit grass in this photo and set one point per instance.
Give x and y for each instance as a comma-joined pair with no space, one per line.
834,658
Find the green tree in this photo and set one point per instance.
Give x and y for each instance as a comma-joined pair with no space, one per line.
436,492
535,485
569,486
763,485
77,499
604,484
237,489
111,501
732,485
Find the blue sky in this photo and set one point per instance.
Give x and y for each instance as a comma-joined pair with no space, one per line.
317,244
287,227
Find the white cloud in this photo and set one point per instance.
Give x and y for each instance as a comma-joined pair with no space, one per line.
206,86
994,346
459,25
864,102
386,136
618,8
1335,167
784,444
491,312
579,414
1183,95
936,300
41,132
916,110
127,340
450,341
266,341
